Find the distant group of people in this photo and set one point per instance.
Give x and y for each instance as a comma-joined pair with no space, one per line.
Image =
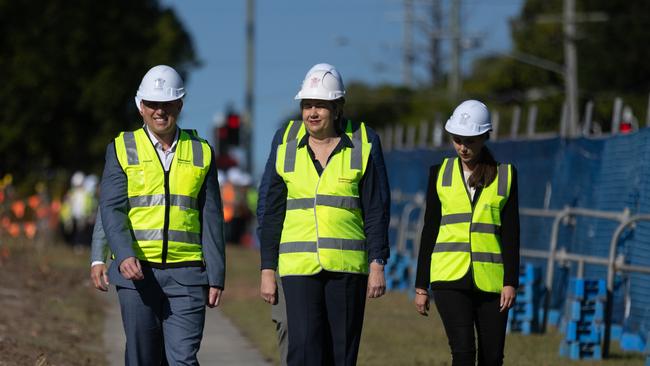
79,208
323,214
40,217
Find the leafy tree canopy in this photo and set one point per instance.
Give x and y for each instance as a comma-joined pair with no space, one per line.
69,70
612,58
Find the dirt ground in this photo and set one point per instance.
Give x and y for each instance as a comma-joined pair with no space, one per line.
49,314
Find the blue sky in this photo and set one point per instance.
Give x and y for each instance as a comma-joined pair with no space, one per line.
291,36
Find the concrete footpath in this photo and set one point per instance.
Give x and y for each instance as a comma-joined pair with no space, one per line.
222,343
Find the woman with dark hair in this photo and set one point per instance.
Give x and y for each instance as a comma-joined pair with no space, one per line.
469,250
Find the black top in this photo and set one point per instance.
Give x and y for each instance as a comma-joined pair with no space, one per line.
509,237
375,219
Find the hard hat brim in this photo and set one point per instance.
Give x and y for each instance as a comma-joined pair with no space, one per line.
139,99
317,96
464,132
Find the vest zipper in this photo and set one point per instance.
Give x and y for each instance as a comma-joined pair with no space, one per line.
165,240
320,176
166,224
472,203
316,216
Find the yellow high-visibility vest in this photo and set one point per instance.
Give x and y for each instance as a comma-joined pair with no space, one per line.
470,235
323,225
163,206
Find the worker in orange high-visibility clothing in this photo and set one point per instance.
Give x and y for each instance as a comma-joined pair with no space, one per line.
228,197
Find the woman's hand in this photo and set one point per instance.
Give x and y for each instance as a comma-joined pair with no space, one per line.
422,301
376,281
268,287
508,294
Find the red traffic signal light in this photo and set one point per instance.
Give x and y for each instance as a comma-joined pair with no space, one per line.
233,121
229,133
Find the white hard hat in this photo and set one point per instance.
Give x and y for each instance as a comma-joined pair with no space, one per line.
160,84
90,183
77,179
238,177
322,82
470,118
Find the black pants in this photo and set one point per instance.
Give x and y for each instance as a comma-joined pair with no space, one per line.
325,316
461,311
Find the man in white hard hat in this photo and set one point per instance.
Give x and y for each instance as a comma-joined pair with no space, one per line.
324,224
161,212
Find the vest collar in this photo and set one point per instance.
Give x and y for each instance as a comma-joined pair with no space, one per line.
157,145
344,142
478,191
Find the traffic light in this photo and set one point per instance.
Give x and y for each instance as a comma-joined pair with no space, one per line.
233,126
228,133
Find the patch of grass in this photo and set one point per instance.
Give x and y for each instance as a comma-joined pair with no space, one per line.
50,315
393,334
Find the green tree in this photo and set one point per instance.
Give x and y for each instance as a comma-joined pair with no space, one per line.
612,59
68,73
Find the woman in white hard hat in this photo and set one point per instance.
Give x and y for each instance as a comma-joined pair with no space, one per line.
325,225
469,250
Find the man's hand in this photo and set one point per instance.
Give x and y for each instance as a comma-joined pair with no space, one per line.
508,295
99,275
214,297
422,301
131,270
376,281
268,287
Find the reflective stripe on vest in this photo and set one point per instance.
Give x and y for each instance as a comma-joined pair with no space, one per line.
323,225
470,235
294,132
163,206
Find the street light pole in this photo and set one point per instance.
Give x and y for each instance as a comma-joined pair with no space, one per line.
454,75
571,66
250,81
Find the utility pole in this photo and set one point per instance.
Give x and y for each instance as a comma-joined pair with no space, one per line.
569,19
435,38
409,56
250,83
454,75
570,65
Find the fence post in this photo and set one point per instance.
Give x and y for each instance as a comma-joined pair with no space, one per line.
437,134
589,111
410,137
616,115
387,138
532,120
516,117
495,125
399,137
563,120
423,133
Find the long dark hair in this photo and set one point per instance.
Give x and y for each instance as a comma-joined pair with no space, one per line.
485,170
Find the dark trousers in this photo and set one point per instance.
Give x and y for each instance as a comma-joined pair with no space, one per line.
461,311
325,316
163,320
